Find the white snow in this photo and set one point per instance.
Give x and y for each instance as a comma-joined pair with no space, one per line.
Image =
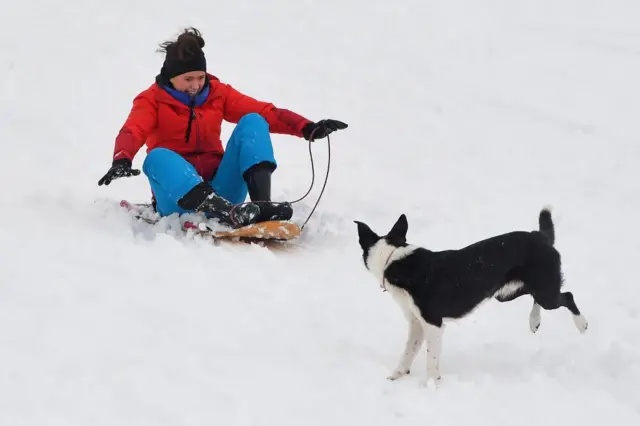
467,115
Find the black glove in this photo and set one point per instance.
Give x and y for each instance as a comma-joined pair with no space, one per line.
322,128
119,168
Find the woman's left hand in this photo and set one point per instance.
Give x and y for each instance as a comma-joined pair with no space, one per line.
322,128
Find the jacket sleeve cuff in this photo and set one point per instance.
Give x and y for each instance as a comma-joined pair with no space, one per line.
291,122
119,155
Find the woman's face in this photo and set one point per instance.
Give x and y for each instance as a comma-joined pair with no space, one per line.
190,82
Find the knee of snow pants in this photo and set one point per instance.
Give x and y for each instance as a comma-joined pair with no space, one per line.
249,144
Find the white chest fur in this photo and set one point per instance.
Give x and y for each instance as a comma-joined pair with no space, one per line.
405,301
381,255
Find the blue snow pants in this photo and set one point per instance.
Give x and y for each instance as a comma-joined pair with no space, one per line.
171,176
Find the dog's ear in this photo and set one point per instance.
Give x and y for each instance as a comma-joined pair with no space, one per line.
398,233
366,235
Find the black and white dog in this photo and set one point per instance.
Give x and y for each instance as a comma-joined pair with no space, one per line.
432,286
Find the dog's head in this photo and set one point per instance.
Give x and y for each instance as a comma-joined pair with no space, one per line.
372,243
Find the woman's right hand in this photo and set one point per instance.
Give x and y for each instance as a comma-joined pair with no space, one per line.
119,168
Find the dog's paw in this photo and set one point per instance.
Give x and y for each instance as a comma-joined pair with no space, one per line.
581,323
534,325
437,381
396,374
534,322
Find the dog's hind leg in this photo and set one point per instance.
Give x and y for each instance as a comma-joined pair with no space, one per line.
512,291
562,299
566,300
415,338
534,317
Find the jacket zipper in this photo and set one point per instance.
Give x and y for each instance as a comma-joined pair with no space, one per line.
192,116
198,133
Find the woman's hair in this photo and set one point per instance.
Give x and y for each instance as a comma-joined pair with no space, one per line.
188,45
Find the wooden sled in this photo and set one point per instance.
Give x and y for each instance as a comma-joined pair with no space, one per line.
271,230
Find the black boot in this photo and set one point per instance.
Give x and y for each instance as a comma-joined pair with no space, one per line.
202,199
258,180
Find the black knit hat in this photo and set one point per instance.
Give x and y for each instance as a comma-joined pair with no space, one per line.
183,55
174,66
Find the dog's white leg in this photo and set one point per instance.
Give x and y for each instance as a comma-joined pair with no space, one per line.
433,335
534,318
415,338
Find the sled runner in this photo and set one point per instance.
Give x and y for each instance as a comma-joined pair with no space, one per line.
273,230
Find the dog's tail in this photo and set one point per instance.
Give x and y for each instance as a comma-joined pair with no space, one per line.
545,224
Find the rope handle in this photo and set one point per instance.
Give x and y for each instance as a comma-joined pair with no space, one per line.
313,175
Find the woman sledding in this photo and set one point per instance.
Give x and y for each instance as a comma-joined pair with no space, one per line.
179,118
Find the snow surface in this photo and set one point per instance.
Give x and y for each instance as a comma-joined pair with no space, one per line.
467,115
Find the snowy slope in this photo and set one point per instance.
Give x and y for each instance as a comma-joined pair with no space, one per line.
467,115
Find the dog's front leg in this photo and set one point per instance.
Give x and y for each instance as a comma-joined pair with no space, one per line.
433,334
415,337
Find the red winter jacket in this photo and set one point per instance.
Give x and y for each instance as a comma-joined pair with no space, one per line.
157,119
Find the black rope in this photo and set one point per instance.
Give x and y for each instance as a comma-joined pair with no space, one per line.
313,176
